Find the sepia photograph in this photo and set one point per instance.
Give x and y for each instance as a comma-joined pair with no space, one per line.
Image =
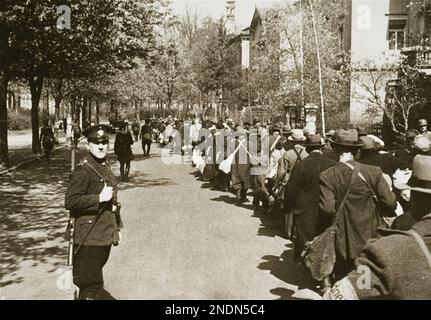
219,153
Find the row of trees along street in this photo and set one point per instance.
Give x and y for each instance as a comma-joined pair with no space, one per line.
136,53
106,38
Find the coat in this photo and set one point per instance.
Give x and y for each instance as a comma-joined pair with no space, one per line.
398,267
82,199
288,162
240,172
122,146
146,133
357,221
386,162
302,194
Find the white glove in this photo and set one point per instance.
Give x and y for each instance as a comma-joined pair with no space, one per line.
106,194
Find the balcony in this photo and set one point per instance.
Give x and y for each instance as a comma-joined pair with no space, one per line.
419,55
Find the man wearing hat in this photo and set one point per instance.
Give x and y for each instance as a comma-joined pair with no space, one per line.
91,198
302,192
292,156
327,150
371,156
357,220
423,129
398,262
408,153
362,132
294,153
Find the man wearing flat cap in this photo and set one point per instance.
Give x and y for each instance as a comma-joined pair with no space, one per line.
357,187
91,198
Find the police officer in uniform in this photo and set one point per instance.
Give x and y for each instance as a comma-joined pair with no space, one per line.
92,200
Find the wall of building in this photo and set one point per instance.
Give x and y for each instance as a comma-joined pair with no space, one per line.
369,25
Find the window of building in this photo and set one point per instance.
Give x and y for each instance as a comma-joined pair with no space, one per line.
396,39
396,31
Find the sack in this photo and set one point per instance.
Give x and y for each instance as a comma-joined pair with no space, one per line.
226,165
200,164
319,254
147,136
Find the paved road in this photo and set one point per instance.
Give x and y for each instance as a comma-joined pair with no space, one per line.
181,239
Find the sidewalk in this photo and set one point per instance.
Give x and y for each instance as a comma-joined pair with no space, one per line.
20,149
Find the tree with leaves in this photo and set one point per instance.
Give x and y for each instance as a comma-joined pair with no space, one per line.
105,36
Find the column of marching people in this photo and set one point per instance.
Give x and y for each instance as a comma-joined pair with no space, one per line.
347,200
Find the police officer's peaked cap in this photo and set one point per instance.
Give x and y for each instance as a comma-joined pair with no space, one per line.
97,133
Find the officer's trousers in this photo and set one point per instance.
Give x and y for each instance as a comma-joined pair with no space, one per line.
87,270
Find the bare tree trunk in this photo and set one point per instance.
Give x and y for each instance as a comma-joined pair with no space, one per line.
57,105
46,109
97,111
56,91
4,149
36,86
90,106
112,108
84,113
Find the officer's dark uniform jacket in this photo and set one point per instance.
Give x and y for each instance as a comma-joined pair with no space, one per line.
82,199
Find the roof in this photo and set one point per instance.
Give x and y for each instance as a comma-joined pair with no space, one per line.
259,13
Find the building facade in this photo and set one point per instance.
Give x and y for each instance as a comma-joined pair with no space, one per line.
382,33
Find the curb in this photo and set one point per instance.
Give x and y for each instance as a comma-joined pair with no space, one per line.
33,159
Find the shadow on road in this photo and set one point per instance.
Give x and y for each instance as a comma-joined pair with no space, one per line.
33,218
139,179
270,226
232,201
285,269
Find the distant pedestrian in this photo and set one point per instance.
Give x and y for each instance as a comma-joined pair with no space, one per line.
146,138
123,150
76,134
47,139
135,129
